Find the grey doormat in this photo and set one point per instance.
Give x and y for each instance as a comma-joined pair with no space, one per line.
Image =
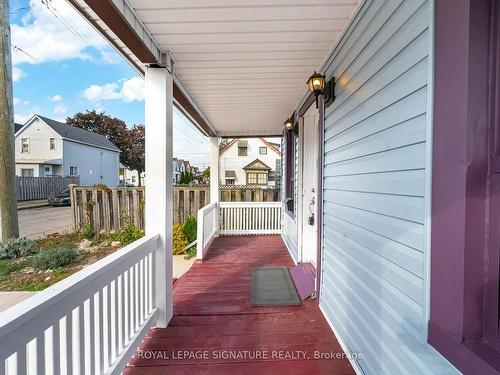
273,287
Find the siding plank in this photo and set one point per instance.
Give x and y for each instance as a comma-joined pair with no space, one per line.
374,196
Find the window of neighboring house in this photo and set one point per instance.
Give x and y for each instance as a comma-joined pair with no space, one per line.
46,169
52,142
27,172
251,178
271,176
256,178
25,145
133,179
290,171
229,181
73,170
242,151
263,150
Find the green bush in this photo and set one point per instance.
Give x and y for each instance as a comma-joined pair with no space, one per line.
190,228
128,234
87,231
49,259
190,253
17,248
179,239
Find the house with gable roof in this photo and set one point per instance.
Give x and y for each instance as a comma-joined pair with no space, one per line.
46,147
249,161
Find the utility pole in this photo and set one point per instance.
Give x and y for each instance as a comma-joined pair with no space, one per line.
8,205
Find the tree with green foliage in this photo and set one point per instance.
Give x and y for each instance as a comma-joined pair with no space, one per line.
130,141
186,178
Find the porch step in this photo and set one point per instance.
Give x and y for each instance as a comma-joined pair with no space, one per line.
304,278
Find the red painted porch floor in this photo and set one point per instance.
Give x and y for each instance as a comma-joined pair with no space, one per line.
213,320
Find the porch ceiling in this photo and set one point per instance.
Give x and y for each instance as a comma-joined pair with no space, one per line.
244,63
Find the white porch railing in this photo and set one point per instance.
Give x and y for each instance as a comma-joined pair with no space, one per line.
208,226
91,322
241,218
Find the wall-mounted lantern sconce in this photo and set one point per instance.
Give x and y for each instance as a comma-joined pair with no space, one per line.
316,83
289,124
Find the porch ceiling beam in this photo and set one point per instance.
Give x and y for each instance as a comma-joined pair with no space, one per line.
121,19
126,26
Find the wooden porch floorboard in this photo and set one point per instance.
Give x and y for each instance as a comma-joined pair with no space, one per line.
212,313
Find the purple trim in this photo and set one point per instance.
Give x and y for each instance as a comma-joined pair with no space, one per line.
321,126
493,285
459,244
303,275
305,106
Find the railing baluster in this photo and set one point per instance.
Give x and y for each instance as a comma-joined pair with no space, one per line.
136,297
117,319
21,362
124,308
56,348
92,333
100,330
109,326
40,353
130,299
81,338
69,342
141,288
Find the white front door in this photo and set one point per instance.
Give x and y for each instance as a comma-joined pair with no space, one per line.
310,185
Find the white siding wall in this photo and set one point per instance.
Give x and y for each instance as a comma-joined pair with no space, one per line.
374,245
230,160
96,166
39,134
37,169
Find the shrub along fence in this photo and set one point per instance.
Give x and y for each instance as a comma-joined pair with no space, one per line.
31,188
108,209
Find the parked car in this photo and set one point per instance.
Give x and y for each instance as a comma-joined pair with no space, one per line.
61,199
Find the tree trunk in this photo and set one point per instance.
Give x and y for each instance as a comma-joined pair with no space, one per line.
8,204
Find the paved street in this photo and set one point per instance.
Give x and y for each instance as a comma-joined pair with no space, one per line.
35,222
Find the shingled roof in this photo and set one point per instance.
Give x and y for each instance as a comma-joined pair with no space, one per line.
75,134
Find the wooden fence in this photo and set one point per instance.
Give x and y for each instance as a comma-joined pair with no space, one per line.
32,188
107,209
248,193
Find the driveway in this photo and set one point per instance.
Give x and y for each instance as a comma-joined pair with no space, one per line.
35,222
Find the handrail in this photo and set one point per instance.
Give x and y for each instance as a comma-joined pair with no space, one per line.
123,285
208,226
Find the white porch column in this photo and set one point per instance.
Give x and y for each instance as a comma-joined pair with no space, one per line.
214,170
159,202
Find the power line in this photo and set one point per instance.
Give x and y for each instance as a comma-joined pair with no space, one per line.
19,49
18,10
52,9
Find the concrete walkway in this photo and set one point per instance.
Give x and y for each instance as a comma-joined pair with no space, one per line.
181,266
8,299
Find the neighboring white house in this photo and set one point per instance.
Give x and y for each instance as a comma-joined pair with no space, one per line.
249,161
45,147
179,166
131,176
